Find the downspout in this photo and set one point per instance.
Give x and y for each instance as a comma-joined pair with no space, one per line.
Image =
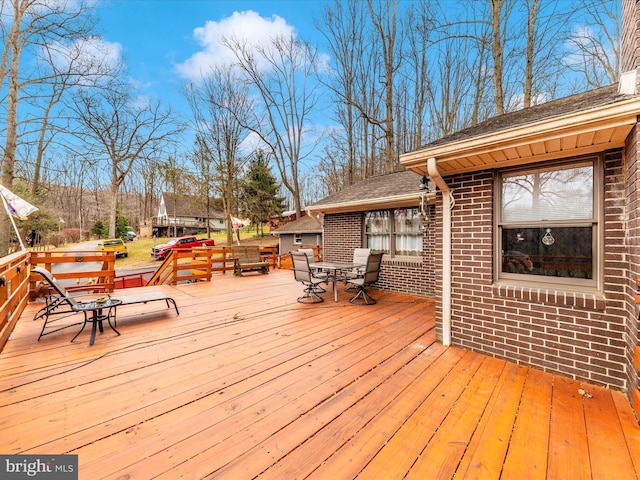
320,219
447,205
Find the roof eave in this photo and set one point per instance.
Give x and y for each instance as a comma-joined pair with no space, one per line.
396,201
621,116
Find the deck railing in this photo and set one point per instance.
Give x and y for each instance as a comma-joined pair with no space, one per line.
14,291
101,272
284,259
198,263
181,266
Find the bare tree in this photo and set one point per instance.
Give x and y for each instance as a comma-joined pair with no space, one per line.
27,26
498,26
147,178
420,21
596,52
283,73
343,26
449,91
546,35
385,22
84,63
205,181
176,179
222,108
119,130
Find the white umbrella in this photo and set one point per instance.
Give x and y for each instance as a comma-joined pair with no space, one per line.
16,207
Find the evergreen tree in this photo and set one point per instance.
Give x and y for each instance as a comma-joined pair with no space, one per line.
99,229
260,193
122,225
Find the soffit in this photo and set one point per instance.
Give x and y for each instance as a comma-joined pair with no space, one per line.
569,133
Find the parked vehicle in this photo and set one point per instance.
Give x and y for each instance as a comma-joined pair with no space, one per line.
114,245
130,236
189,241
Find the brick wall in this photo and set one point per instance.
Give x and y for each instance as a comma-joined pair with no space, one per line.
631,60
632,190
343,232
581,335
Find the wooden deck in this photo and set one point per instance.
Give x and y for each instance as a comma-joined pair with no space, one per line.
247,383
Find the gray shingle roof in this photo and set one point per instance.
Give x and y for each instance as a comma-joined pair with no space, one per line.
306,224
575,103
380,187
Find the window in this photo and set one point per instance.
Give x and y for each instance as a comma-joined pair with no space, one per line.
548,223
396,232
297,238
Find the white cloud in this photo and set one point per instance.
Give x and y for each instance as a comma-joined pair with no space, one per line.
245,26
140,102
87,55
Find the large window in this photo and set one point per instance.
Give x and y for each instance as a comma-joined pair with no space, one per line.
548,223
396,232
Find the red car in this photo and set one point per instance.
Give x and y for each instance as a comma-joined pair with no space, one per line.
189,241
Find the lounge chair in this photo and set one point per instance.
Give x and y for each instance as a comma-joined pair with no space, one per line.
62,301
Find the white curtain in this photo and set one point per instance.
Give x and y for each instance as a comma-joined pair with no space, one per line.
378,229
403,223
408,234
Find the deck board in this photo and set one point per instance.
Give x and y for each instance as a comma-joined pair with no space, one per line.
531,428
248,383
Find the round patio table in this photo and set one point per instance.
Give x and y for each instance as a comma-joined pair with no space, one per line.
100,311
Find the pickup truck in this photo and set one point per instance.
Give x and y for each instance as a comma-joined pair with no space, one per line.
189,241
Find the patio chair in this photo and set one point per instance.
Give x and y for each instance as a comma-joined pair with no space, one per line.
312,258
309,253
58,303
303,274
369,276
62,301
360,256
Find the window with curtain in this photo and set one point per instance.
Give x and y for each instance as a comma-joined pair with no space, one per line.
395,232
548,223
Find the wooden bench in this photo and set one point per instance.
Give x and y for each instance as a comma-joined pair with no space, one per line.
247,259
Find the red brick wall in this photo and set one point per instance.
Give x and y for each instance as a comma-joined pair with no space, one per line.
575,334
343,232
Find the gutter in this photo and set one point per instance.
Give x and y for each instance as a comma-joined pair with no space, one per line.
447,205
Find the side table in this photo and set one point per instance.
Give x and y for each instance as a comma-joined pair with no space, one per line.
100,311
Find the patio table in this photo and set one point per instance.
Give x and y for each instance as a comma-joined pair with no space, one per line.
97,315
335,270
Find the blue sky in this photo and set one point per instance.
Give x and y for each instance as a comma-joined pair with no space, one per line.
165,41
